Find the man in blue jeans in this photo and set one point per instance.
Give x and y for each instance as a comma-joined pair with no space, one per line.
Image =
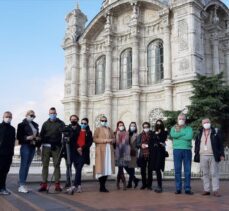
182,152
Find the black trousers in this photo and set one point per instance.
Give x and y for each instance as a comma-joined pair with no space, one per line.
5,163
145,165
159,178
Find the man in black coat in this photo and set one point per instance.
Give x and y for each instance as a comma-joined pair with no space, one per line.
7,142
209,151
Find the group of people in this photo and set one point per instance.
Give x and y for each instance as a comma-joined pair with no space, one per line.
125,148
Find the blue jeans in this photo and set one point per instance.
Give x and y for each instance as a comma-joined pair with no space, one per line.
185,156
27,153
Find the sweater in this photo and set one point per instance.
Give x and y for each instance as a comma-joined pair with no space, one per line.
183,138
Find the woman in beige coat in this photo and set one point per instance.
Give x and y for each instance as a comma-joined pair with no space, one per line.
104,153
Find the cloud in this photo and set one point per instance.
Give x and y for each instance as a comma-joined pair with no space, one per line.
49,94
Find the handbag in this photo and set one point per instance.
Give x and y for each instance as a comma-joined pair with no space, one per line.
166,154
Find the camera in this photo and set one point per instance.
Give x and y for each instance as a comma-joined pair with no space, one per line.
66,132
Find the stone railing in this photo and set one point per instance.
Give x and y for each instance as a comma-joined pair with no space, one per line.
169,164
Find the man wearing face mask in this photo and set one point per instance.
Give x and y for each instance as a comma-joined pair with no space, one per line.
209,151
182,135
51,144
104,156
28,137
7,142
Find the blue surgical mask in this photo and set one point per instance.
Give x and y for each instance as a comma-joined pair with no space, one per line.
83,126
104,124
52,116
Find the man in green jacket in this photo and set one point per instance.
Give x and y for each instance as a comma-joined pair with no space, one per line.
51,145
182,152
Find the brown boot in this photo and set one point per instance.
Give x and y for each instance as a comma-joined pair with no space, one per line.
43,187
118,182
123,181
216,194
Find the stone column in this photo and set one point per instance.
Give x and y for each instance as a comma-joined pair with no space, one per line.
227,65
84,81
135,46
75,78
136,108
108,73
215,56
167,62
135,63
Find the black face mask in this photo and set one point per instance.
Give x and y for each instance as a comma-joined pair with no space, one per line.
158,126
74,123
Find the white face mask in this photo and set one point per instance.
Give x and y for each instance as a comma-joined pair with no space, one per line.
207,126
146,130
7,120
181,122
29,118
121,128
132,128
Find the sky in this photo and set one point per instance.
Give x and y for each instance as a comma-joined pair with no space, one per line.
31,57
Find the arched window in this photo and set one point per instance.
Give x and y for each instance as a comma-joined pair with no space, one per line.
155,62
100,67
126,69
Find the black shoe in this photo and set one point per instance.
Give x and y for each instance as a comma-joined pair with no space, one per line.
136,181
188,192
129,186
158,190
104,190
178,192
143,187
149,188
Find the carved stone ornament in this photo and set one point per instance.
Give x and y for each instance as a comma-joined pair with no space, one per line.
154,115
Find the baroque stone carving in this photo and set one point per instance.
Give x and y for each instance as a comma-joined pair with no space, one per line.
183,35
184,65
154,115
67,89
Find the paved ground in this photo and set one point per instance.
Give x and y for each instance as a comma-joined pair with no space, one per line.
132,199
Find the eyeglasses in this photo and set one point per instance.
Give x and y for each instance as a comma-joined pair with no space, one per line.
103,120
32,116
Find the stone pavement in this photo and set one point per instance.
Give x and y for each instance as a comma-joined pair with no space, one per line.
132,199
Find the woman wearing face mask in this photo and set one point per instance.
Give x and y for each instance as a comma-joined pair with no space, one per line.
130,169
104,153
209,151
157,152
81,154
74,129
122,152
28,137
143,142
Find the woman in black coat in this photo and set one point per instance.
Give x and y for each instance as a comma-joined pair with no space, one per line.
28,137
80,152
157,152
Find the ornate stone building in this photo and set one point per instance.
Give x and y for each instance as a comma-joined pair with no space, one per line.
137,57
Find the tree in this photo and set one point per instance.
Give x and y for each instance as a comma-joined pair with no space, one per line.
210,98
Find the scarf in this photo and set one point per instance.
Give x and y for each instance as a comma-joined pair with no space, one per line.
145,140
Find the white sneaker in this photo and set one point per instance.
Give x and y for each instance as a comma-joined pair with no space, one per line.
70,190
79,189
22,189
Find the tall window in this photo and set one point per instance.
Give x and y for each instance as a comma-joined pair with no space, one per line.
100,67
126,69
155,62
